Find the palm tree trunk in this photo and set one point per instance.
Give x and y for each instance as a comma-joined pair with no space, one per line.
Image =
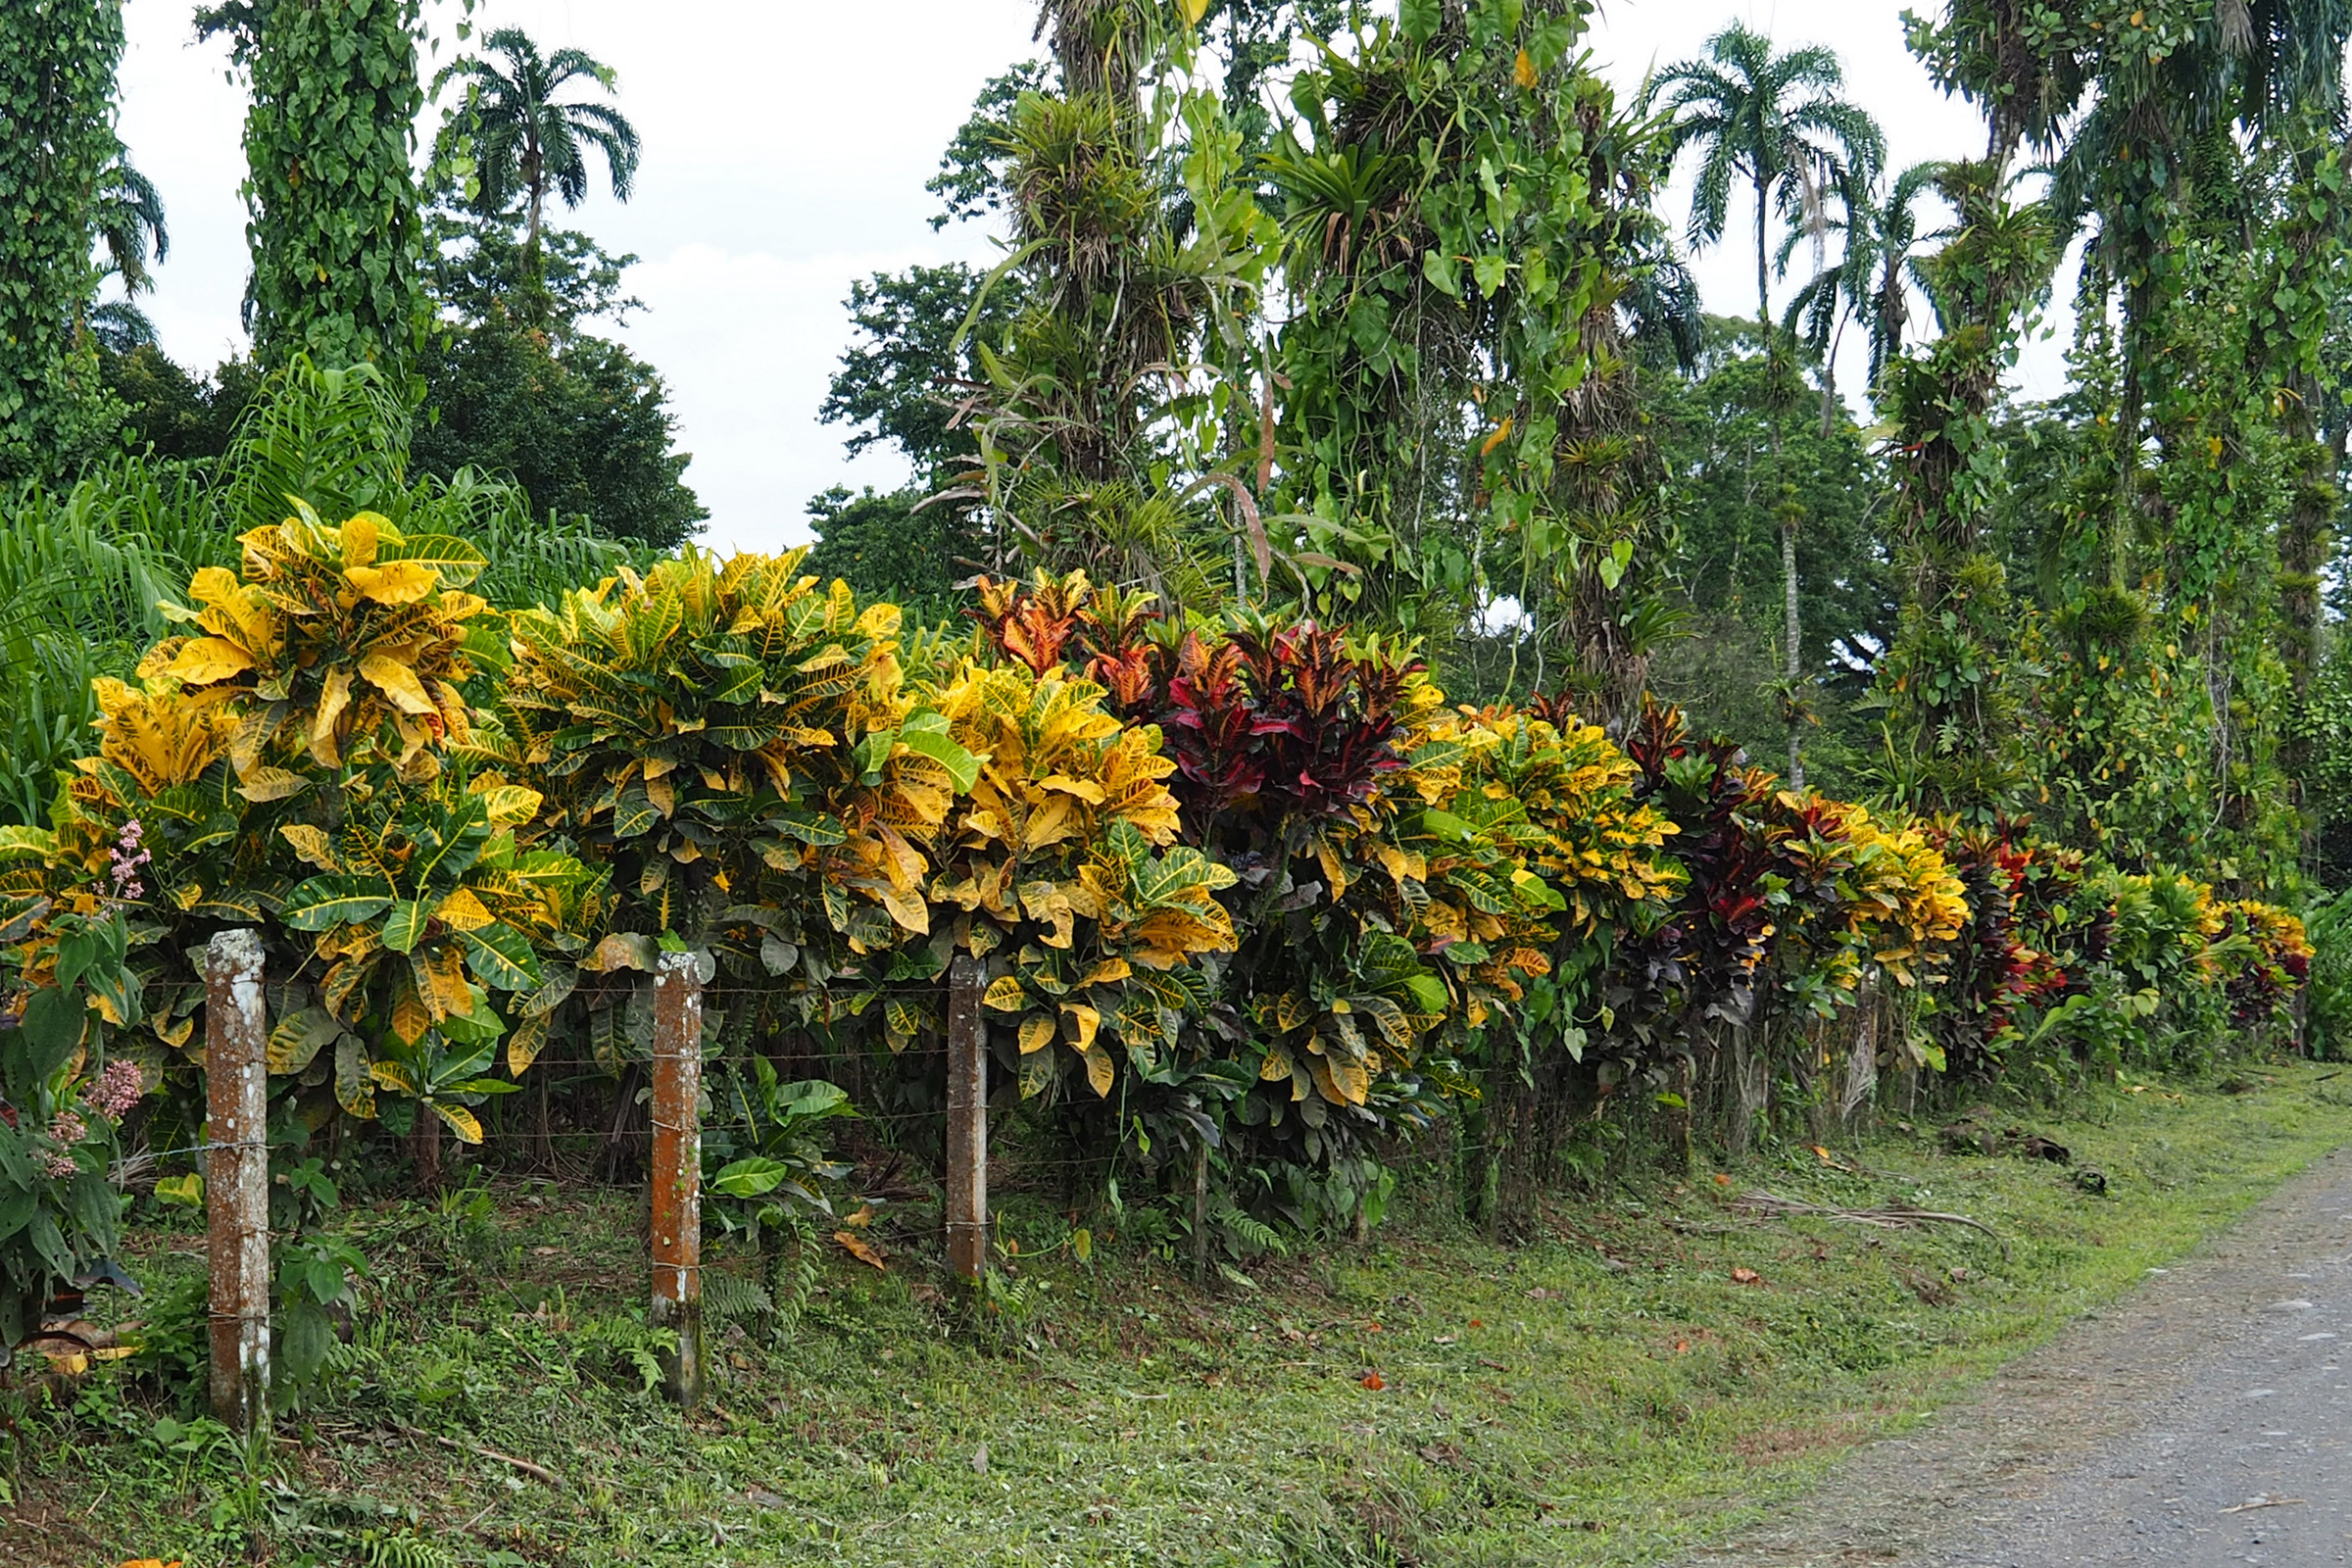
534,273
1782,508
1795,635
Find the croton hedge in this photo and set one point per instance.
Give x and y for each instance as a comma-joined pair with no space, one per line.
1255,884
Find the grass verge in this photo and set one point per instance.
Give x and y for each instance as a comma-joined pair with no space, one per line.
1610,1391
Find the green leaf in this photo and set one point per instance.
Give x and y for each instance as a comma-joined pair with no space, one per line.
299,1038
926,735
180,1192
633,814
405,926
1444,275
457,562
751,1177
52,1027
325,902
501,958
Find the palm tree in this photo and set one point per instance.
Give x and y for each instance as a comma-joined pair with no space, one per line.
1775,122
130,220
528,141
1879,255
127,213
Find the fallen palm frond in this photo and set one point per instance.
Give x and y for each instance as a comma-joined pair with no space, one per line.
1892,1216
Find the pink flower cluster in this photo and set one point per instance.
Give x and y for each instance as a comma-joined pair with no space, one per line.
66,1131
116,1091
127,856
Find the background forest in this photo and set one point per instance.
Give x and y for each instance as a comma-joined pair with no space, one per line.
1368,656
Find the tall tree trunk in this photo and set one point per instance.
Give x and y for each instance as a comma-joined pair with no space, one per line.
1794,631
1784,511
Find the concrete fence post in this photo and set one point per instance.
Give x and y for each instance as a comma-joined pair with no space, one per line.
968,1123
238,1178
677,1174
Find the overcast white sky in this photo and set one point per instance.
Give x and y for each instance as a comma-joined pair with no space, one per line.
786,145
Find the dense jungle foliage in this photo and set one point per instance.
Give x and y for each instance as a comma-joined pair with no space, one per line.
1272,676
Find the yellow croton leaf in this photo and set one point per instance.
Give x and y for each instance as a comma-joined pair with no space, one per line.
1334,872
215,585
1037,1032
526,1043
1098,1071
443,971
1085,789
510,805
202,661
398,682
410,1019
463,912
358,537
461,1121
908,909
1005,995
396,582
311,844
334,697
1081,1022
392,1075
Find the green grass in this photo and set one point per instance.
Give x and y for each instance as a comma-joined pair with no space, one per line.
1605,1392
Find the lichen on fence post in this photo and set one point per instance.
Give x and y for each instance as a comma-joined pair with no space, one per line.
237,1180
968,1123
677,1174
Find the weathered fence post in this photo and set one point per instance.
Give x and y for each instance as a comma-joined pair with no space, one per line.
238,1178
677,1175
1862,1056
968,1122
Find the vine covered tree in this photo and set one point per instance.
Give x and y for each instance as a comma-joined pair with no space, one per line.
57,139
1775,120
334,226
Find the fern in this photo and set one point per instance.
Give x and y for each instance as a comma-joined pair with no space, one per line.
1245,1234
732,1299
622,1341
403,1552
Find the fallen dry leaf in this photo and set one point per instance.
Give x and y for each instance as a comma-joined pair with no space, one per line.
855,1247
1721,1180
1375,1381
1747,1276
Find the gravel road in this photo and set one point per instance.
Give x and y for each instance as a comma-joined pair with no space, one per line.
2204,1420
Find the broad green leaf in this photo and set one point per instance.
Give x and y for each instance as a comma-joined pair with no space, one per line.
753,1176
325,902
501,958
299,1038
404,926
